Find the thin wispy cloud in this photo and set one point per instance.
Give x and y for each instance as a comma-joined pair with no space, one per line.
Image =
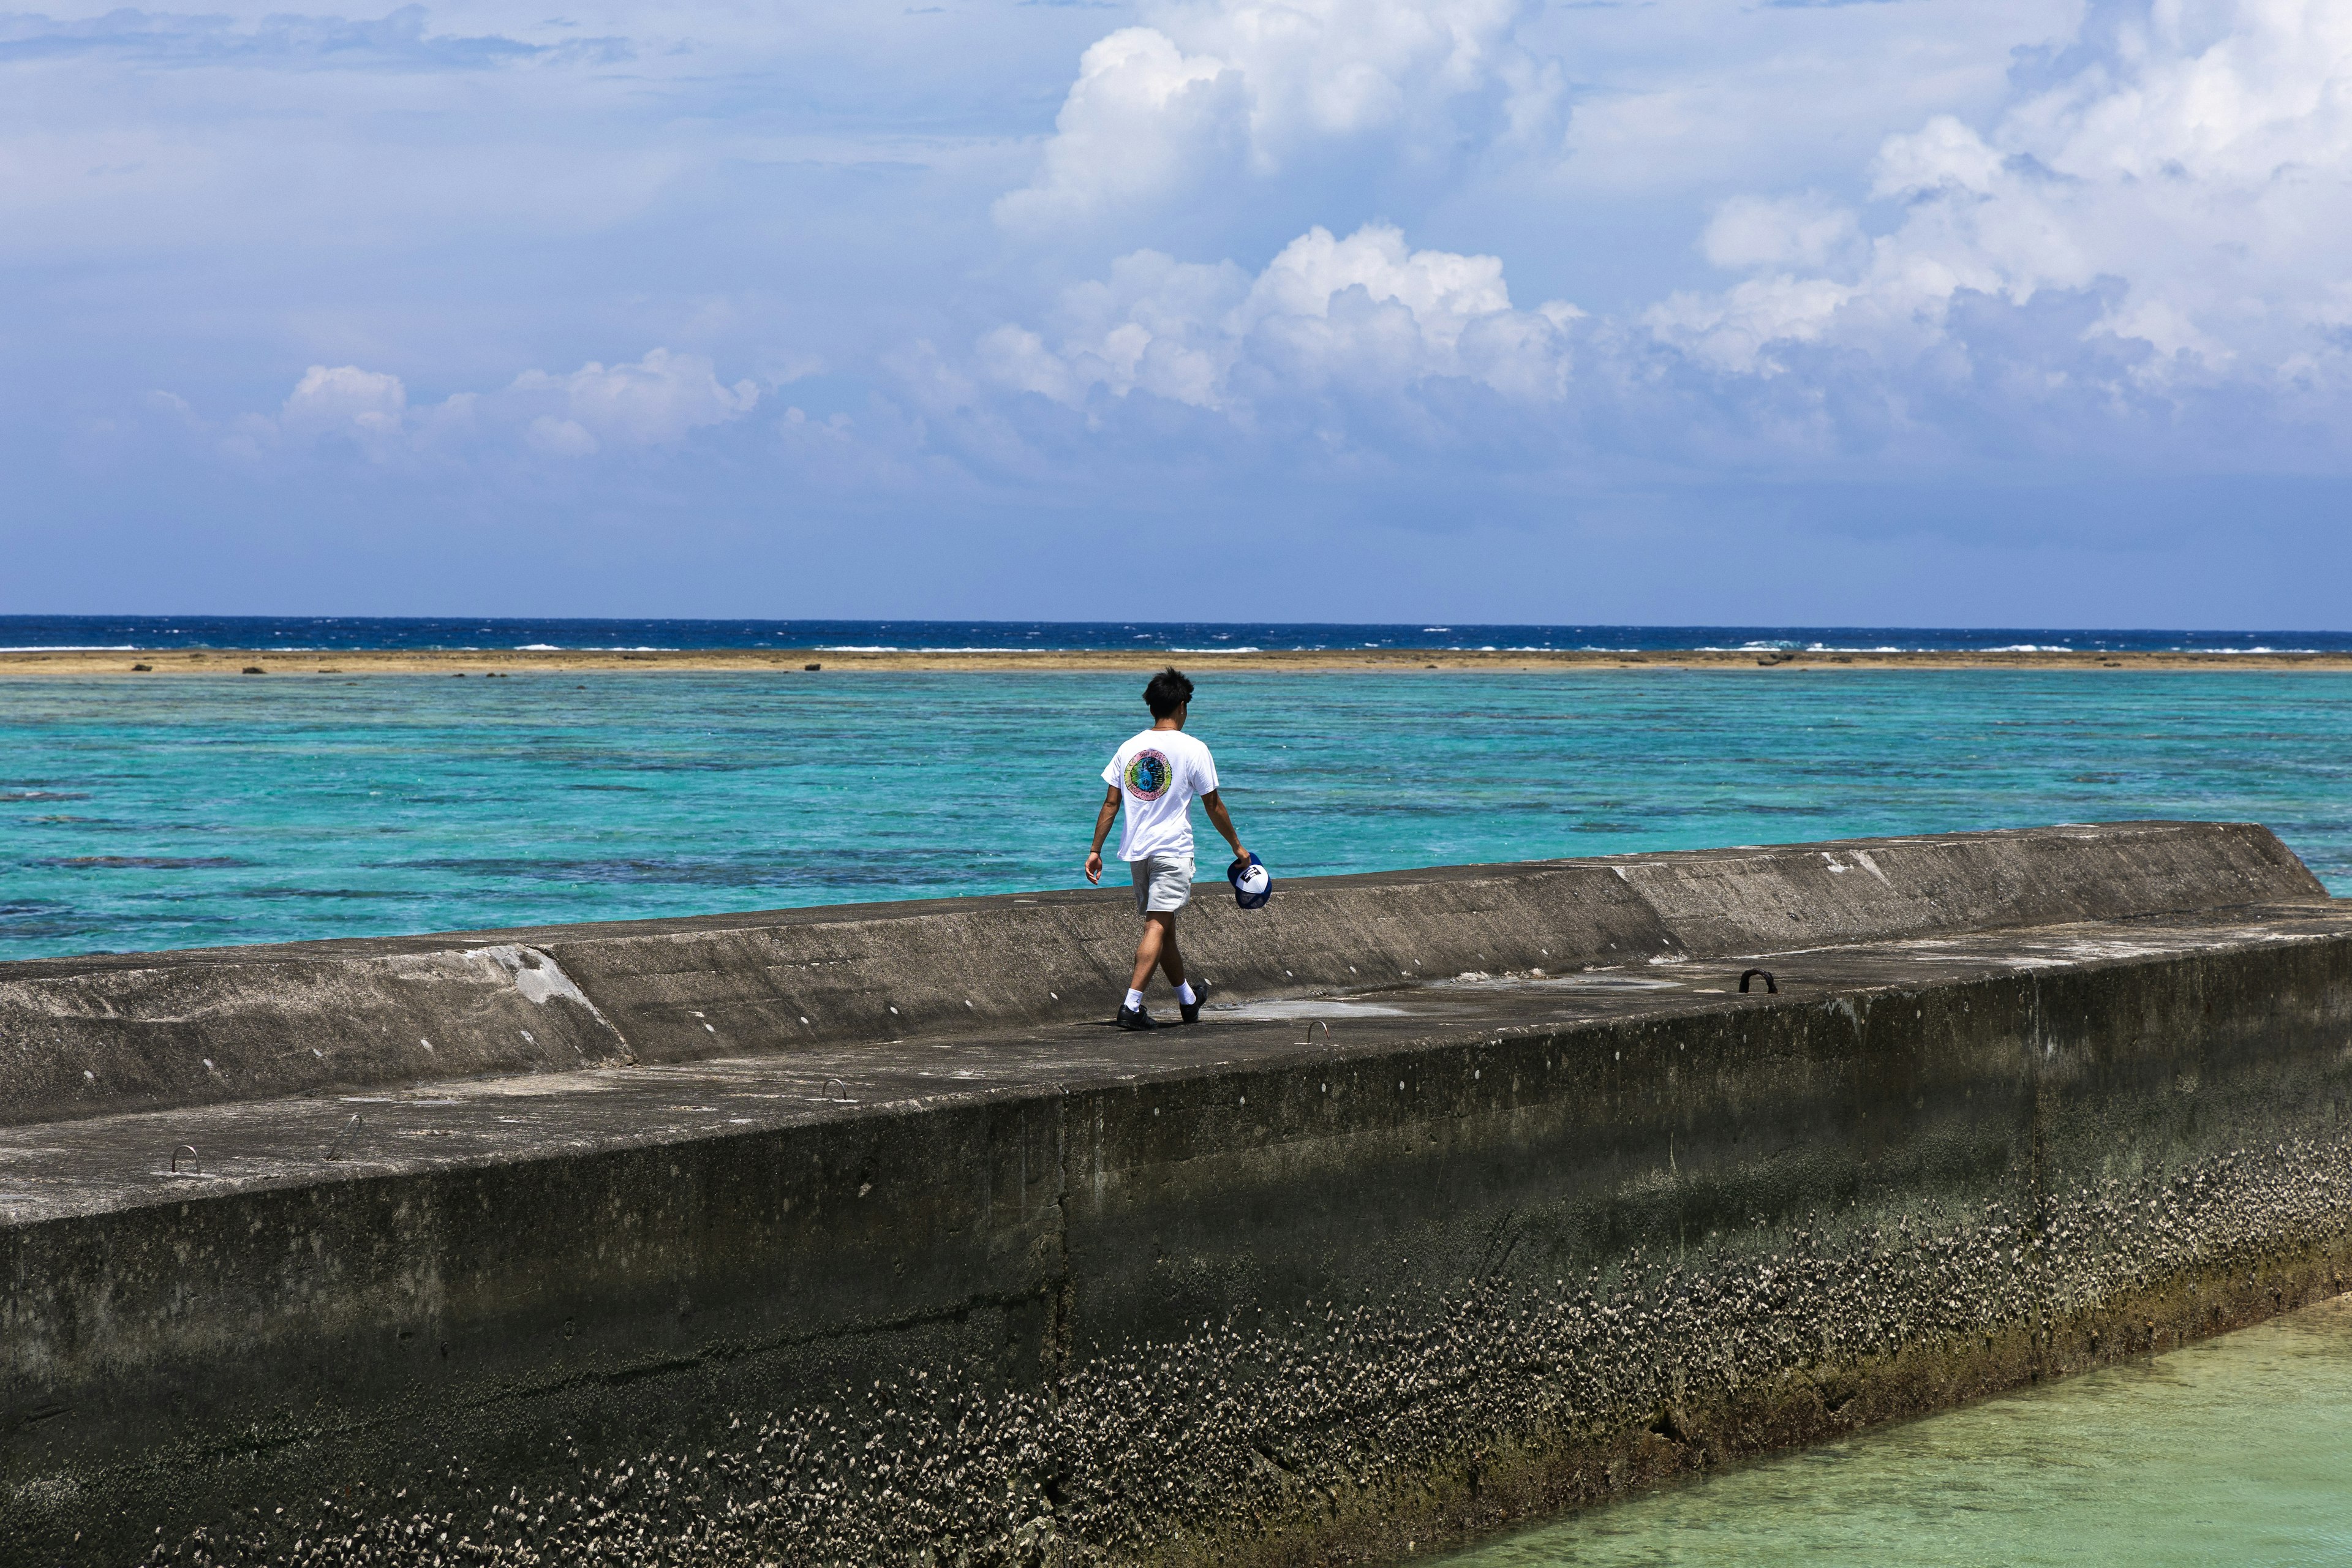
399,39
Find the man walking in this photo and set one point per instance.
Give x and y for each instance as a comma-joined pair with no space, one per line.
1158,773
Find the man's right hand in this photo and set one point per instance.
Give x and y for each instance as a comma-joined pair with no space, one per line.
1094,867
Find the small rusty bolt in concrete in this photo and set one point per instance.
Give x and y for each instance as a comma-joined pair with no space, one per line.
335,1149
190,1151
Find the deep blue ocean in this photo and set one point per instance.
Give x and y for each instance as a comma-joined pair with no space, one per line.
330,632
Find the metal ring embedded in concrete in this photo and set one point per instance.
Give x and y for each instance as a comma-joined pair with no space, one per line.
335,1149
1310,1033
1771,987
190,1151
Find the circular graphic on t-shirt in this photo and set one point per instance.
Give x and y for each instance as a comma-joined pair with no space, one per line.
1148,774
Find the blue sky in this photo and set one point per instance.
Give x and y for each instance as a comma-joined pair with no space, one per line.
1906,312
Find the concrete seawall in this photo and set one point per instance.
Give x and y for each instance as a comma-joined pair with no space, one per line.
1550,1210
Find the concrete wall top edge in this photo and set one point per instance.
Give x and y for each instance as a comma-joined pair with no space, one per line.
2305,886
116,1033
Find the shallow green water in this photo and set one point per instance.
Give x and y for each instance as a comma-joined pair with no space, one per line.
2236,1451
171,813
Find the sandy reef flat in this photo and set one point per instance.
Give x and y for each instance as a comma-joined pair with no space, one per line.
795,661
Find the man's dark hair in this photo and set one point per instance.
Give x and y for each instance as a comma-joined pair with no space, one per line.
1169,691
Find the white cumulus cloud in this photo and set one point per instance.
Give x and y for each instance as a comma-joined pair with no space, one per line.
1365,314
1807,231
2195,177
1241,89
658,400
1142,120
1941,155
345,400
655,401
559,437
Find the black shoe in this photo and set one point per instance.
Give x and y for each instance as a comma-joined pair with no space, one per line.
1191,1010
1136,1018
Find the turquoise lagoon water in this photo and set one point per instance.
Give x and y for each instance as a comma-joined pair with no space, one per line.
189,811
2235,1451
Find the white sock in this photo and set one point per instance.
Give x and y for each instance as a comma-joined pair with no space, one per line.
1184,993
1134,1000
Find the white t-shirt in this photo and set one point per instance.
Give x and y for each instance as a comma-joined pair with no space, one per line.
1158,773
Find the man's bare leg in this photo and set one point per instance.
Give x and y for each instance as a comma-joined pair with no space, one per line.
1172,959
1157,950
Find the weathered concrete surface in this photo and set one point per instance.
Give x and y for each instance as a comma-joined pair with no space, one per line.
1054,1294
104,1035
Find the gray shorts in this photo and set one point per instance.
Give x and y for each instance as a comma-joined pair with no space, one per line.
1164,883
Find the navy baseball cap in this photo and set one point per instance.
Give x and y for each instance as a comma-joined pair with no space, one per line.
1252,885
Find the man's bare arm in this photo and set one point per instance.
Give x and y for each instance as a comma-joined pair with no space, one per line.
1223,823
1103,819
